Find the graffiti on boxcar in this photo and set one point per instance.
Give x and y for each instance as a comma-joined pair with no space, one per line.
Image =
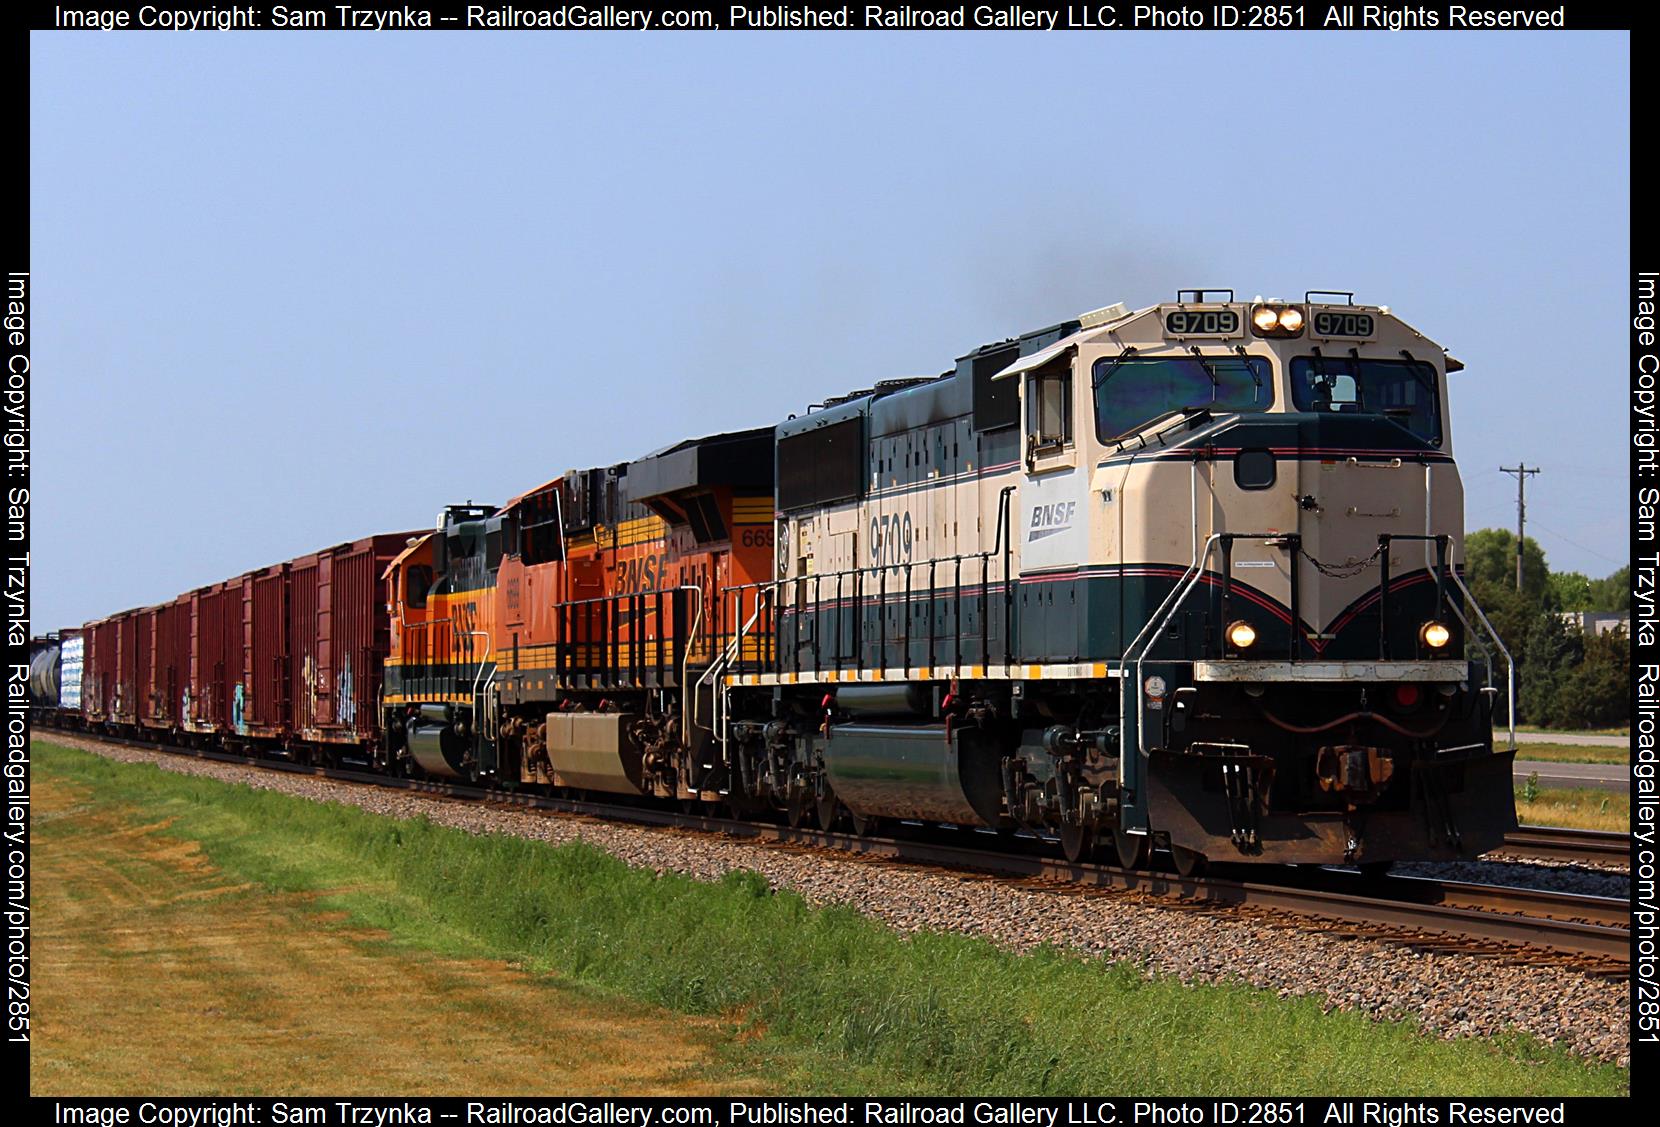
345,695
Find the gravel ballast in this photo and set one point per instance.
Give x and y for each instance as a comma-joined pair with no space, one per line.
1450,994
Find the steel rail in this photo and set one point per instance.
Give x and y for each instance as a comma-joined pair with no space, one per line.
1555,843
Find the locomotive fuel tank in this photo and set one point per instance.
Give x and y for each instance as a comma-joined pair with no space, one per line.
594,751
435,743
923,772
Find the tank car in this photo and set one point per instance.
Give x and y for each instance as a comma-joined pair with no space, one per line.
1185,576
55,675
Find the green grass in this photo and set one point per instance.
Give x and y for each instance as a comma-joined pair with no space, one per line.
838,1002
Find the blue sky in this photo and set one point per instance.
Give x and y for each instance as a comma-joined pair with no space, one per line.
291,289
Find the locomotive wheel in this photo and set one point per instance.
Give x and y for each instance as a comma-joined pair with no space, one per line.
864,825
1132,849
1077,843
828,810
796,810
1189,863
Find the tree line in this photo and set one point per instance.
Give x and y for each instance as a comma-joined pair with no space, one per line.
1565,678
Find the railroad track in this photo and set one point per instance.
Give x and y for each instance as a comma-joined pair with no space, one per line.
1553,843
1532,927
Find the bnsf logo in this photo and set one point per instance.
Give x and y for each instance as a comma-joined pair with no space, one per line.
1050,519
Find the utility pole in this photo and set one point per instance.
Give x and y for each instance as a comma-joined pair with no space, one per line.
1521,472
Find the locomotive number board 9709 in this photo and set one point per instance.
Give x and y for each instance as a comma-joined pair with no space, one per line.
1333,323
1201,323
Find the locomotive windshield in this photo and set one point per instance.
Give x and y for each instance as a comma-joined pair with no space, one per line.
1131,391
1404,390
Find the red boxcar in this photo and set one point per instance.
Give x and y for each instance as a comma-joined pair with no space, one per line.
292,653
263,711
169,666
215,655
98,670
123,708
339,636
144,662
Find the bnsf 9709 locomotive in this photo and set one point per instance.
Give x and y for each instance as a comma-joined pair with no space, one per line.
1184,577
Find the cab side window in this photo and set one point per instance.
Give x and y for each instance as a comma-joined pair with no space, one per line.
417,582
1049,407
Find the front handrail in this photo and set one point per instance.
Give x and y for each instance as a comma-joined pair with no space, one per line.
1509,663
1155,625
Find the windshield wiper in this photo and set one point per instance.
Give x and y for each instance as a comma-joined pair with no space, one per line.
1095,384
1215,381
1245,359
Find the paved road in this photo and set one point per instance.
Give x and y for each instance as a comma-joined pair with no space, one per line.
1565,738
1596,776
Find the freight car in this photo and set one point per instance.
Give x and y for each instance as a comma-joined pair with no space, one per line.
55,676
285,660
1186,577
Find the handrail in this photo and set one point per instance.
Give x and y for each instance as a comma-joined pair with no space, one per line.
1155,624
1444,565
1002,546
485,634
775,587
686,700
1509,662
718,666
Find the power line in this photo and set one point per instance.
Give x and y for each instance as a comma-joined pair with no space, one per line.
1581,547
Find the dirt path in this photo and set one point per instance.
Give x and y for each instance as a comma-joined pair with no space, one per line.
155,974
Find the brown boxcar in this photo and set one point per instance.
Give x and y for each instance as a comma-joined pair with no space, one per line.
264,702
98,670
144,662
169,666
306,625
215,655
123,708
339,636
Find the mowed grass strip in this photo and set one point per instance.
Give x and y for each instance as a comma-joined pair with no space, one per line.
1618,730
1573,753
1579,808
158,973
831,1001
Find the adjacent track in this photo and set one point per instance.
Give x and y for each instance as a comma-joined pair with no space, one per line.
1524,925
1553,843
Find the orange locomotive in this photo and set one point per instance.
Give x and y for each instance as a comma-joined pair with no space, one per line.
561,638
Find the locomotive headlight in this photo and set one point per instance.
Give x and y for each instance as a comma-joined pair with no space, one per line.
1434,635
1242,635
1277,321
